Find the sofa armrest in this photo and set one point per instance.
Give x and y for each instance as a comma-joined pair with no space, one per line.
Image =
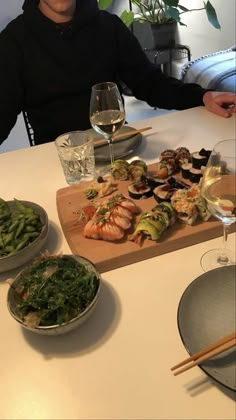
216,71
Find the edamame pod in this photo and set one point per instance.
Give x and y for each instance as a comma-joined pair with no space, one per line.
29,228
30,235
4,210
20,229
20,206
9,248
13,226
7,238
21,244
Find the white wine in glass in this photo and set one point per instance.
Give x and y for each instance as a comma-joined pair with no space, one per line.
107,113
218,188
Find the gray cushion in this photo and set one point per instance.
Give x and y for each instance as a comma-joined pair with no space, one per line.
215,71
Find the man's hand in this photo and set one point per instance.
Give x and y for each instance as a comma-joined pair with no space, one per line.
220,103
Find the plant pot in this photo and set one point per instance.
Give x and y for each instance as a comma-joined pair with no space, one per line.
164,35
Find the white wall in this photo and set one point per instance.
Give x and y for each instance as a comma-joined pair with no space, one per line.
199,35
202,37
9,9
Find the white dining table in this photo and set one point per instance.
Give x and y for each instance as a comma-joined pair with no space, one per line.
117,364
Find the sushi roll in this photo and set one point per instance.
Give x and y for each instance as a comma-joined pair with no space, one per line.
194,195
168,154
137,169
185,170
168,208
186,211
152,224
176,184
139,190
152,181
147,227
165,168
163,192
205,153
198,160
195,175
120,170
167,211
182,155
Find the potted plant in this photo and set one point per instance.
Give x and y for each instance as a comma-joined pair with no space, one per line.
163,16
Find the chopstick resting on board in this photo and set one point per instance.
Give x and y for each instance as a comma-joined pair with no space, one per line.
213,349
121,136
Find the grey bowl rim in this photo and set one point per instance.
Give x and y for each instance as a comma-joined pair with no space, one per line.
44,230
71,321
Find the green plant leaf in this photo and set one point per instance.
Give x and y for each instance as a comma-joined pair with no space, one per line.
211,15
171,3
127,17
104,4
163,11
184,9
173,13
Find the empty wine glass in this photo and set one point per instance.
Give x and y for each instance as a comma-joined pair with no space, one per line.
218,188
107,113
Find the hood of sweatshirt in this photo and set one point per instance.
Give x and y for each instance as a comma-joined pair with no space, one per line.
60,41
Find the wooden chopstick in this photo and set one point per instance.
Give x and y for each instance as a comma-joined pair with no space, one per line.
121,136
213,349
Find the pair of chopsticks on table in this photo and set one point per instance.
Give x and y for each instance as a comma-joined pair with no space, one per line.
213,349
122,136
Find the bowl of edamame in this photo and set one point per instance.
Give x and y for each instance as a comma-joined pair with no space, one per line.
23,232
54,294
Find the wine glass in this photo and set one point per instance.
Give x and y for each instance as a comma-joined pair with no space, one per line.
218,188
107,113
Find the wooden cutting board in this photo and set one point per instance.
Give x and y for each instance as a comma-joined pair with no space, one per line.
110,255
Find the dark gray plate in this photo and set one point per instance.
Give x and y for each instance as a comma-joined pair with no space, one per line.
121,149
206,313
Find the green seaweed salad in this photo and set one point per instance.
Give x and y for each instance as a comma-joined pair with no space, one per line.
55,290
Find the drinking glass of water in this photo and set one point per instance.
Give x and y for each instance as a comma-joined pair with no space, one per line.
76,152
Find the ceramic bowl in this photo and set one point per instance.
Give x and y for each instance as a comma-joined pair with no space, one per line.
56,329
23,256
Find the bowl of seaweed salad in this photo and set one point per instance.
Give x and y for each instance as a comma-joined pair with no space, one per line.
55,294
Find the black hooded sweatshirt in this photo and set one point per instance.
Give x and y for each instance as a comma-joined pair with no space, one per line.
48,70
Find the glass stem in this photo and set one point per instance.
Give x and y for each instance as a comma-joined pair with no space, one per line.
110,142
223,259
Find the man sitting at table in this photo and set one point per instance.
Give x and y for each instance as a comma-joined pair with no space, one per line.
54,52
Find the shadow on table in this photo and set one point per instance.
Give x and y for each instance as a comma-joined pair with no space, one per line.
203,384
95,331
55,236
